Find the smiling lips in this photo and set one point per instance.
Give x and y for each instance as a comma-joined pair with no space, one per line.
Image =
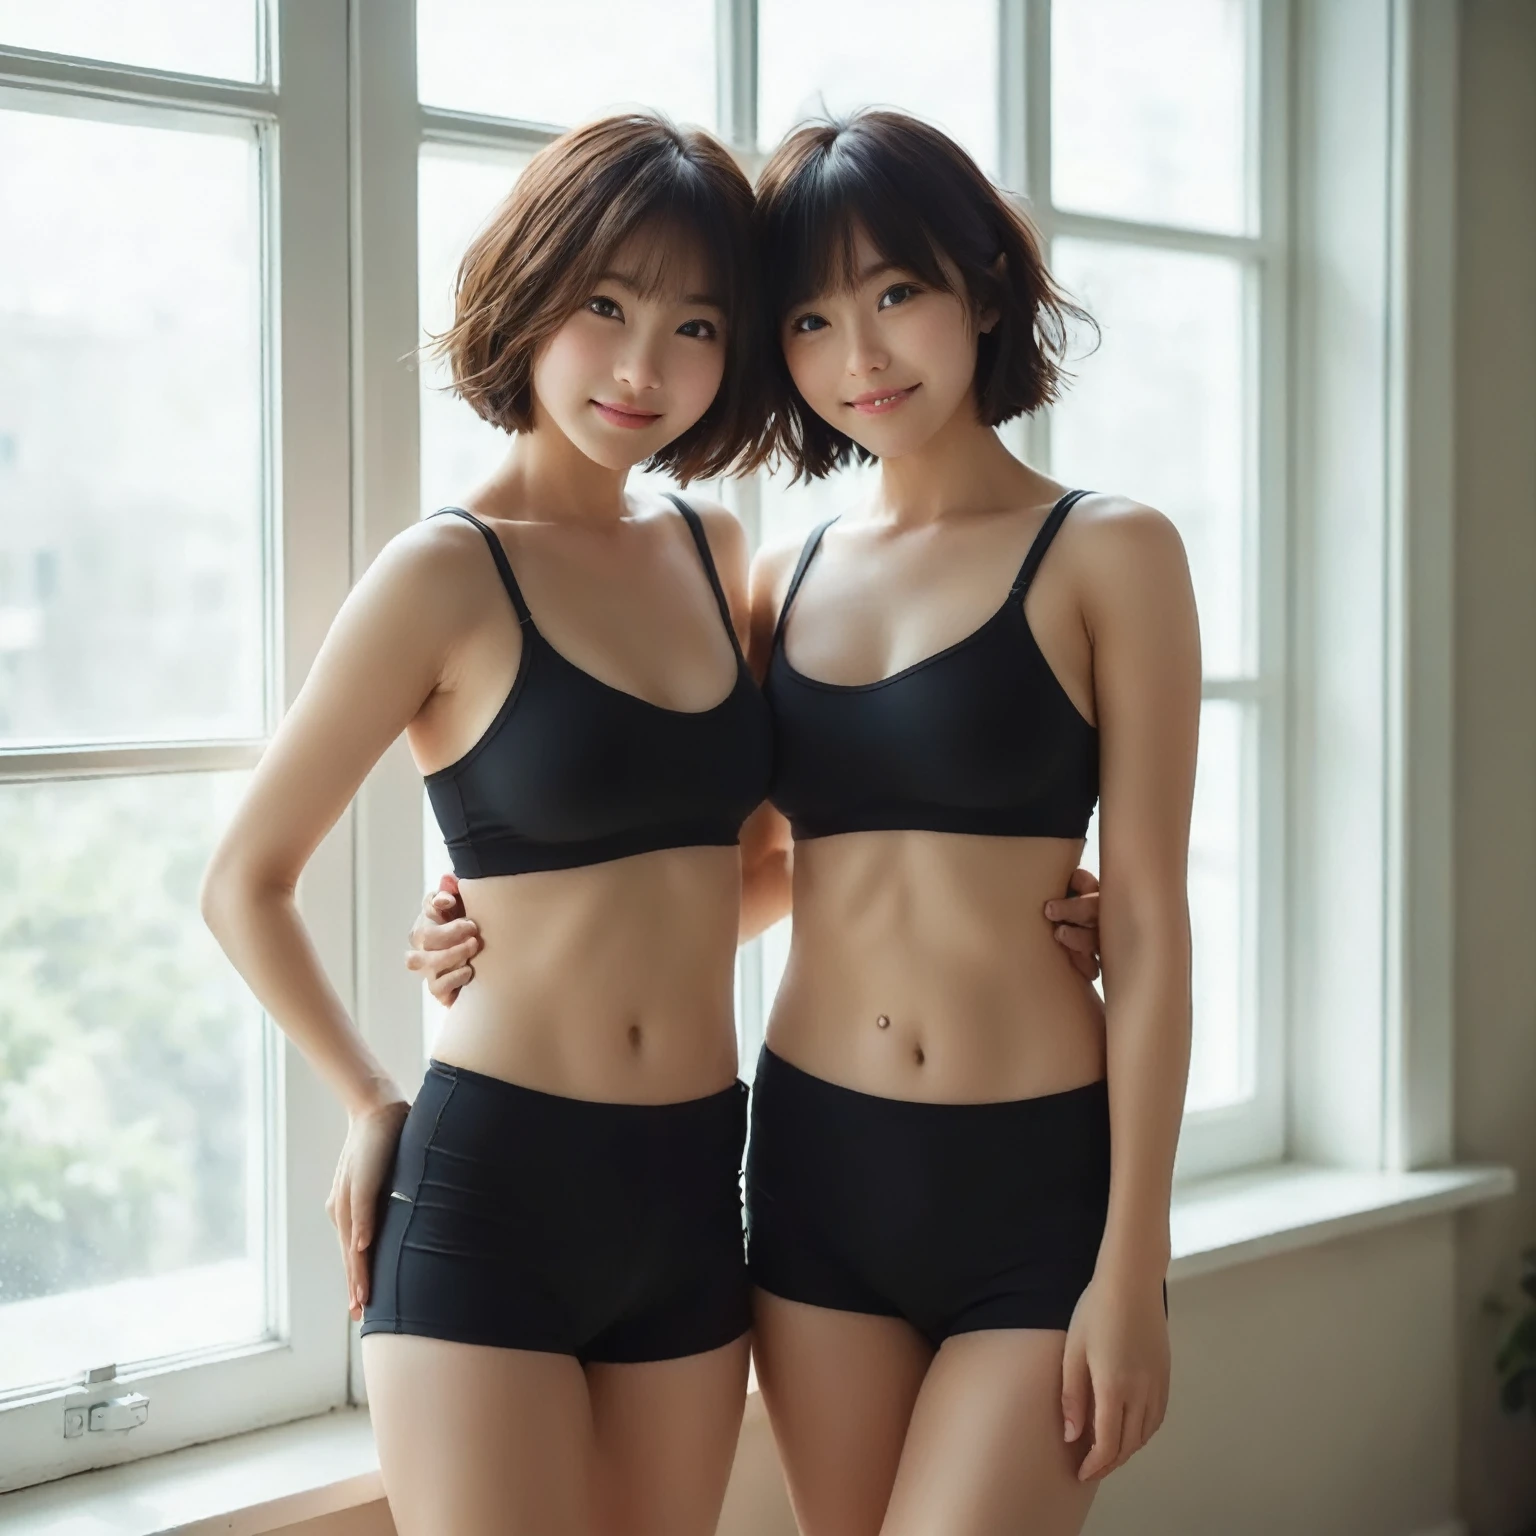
877,402
625,416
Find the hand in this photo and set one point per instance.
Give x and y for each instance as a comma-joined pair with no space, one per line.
353,1204
1114,1375
1077,921
443,941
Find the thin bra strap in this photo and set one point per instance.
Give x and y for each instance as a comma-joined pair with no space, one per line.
807,554
696,528
1048,530
499,555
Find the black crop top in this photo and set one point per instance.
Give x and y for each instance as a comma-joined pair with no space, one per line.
573,771
979,737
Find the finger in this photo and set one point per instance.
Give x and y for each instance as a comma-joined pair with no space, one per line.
1076,1394
1082,911
449,935
1083,883
1085,941
446,988
1108,1413
1133,1434
1086,966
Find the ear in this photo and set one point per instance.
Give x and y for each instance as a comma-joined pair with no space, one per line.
998,269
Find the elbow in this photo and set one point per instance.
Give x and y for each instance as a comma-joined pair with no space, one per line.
231,886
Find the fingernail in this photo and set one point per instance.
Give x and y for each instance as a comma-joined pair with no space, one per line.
1052,910
1071,1430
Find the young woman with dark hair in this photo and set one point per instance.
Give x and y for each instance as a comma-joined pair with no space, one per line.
960,1166
545,1247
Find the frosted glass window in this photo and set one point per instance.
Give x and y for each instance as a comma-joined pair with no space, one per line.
189,37
1149,110
939,63
131,526
132,1110
545,63
1158,412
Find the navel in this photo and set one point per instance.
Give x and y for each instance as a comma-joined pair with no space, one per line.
635,1038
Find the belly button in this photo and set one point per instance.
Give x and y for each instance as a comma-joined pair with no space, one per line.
634,1037
917,1055
883,1022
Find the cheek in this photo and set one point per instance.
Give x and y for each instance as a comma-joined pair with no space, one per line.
940,346
694,375
814,370
568,361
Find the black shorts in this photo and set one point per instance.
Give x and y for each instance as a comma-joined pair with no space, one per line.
956,1217
526,1220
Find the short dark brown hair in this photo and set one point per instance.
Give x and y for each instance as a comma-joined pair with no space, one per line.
539,255
918,197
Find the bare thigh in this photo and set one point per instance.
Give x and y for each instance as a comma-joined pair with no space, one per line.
666,1435
480,1441
839,1388
984,1452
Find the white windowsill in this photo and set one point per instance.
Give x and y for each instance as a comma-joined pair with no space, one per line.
275,1477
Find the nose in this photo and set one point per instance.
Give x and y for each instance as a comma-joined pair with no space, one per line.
866,354
638,366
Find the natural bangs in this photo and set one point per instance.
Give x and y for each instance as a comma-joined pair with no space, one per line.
809,237
664,207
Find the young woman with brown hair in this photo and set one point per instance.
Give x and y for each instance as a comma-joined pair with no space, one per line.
545,1246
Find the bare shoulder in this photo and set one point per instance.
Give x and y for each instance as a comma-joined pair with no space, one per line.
441,566
1115,538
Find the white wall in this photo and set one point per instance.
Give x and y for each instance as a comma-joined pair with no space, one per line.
1496,719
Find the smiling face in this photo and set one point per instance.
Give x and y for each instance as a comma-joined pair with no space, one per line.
641,360
887,360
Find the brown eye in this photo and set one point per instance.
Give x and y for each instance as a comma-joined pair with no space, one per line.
606,307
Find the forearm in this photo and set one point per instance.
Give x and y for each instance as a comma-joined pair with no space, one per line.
258,926
765,894
1148,1038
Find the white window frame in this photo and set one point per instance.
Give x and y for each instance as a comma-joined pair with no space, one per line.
1251,1130
297,112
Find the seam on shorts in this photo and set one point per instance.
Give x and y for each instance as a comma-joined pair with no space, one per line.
426,1152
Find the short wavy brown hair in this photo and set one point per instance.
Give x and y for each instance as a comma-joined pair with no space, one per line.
537,259
920,199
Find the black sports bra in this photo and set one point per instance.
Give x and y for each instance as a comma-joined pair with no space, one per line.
979,737
573,771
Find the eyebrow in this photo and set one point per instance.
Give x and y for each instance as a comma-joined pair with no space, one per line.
875,268
631,281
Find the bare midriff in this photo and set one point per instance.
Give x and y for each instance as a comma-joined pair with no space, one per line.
613,982
921,967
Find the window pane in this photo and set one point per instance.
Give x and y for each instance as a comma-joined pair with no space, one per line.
132,1122
544,63
1219,851
1158,412
938,63
456,194
1149,112
130,434
191,37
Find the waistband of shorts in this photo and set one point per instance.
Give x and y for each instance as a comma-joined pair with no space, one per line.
515,1095
773,1069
